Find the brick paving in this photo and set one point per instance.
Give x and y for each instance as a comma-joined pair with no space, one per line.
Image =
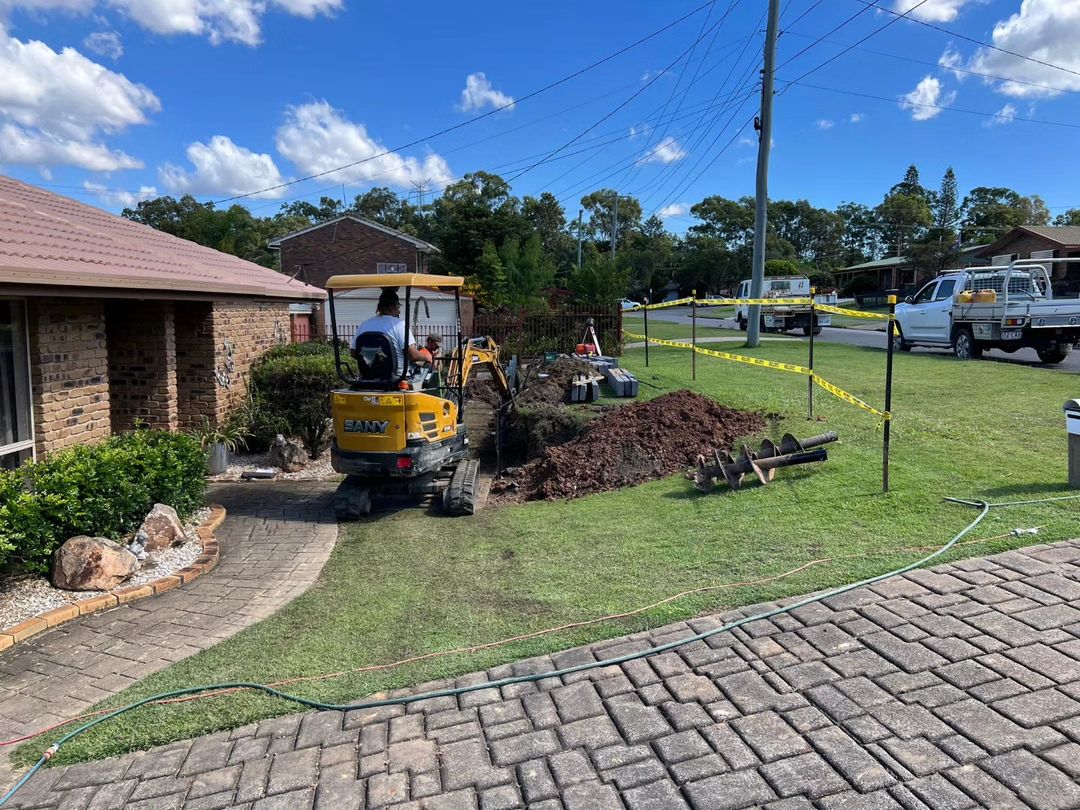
956,687
274,542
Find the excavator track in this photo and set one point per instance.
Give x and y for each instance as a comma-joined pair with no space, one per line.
352,501
459,498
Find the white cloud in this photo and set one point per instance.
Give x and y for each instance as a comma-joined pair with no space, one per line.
664,153
951,60
855,118
222,167
118,198
219,20
674,210
28,147
932,10
824,123
1005,115
927,99
55,105
479,93
1047,30
105,43
745,141
317,138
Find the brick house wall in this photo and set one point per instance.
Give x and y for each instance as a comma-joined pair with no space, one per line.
69,372
1066,279
346,247
243,331
141,348
196,363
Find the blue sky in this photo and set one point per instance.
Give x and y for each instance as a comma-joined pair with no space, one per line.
113,100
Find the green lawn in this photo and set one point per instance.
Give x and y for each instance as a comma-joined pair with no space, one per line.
408,583
675,331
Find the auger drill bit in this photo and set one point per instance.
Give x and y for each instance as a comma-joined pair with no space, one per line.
763,463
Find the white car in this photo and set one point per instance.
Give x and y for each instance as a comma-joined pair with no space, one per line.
626,304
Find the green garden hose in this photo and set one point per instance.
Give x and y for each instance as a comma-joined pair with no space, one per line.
983,506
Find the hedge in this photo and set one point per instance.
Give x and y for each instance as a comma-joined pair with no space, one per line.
292,390
102,490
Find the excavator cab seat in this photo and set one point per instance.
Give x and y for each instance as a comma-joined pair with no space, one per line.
375,361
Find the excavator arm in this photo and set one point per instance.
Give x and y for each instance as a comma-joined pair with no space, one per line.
481,351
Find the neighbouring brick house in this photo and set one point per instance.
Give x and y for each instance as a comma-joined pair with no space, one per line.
105,323
352,244
1042,242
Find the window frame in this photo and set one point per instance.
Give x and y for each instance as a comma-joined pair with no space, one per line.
397,267
27,381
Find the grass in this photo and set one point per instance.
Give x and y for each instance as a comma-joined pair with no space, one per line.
675,331
408,583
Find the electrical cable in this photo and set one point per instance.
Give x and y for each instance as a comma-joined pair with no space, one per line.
983,506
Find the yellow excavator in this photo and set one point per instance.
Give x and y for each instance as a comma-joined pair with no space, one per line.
401,431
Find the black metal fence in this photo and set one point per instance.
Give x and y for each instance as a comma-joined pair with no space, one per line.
531,333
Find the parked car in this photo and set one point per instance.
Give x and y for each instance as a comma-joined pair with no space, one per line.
628,303
786,317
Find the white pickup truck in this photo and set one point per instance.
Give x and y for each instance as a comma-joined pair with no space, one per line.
784,317
1008,308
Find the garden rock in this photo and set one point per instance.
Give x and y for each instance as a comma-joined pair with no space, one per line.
289,456
91,564
162,528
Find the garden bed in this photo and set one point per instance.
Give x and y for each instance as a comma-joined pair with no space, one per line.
315,470
23,597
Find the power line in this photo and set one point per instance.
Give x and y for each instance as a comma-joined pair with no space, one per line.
969,39
482,116
998,116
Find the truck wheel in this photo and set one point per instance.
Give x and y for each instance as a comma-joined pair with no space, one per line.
742,323
1054,354
898,342
964,345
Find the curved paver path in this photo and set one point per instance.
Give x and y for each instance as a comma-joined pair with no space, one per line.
955,687
274,542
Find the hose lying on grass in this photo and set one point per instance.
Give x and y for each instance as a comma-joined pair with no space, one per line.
220,688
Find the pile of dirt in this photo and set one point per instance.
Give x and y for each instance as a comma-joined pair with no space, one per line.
545,383
632,444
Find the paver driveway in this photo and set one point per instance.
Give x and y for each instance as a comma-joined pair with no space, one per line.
950,688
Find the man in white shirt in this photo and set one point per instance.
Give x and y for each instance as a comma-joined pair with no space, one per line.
388,321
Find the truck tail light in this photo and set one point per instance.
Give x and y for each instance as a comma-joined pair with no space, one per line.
1014,321
404,462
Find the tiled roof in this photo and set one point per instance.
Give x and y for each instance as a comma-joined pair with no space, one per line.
419,244
891,261
50,240
1063,234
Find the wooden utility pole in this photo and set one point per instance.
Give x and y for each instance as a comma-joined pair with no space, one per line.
579,239
761,213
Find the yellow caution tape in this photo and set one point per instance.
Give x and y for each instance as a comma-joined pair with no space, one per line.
662,305
854,313
720,302
840,393
844,395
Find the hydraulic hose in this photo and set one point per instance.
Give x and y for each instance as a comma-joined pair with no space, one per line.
983,506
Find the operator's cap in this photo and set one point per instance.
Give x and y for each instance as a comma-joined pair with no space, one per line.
435,338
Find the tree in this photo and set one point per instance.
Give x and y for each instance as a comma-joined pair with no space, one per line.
860,238
546,216
988,212
947,203
781,267
903,218
1033,210
729,220
910,186
382,205
488,281
600,206
527,272
813,233
1070,217
327,209
599,281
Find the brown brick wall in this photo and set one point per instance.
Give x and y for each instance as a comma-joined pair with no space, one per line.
1065,277
141,337
196,382
243,330
344,247
69,372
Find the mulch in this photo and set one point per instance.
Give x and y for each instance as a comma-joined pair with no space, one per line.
632,444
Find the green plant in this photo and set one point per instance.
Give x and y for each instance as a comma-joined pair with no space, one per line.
232,433
295,391
104,490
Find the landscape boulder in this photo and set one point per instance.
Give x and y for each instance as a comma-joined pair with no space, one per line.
162,528
289,456
91,564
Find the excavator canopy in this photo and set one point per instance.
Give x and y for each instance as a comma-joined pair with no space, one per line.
369,280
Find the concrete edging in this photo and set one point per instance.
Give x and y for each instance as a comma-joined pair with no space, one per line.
207,561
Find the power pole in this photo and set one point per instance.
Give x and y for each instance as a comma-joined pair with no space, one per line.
579,239
761,214
420,187
615,227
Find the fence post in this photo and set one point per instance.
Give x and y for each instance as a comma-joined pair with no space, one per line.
888,394
645,312
810,379
693,335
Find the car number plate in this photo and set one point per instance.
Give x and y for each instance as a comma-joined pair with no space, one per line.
1013,334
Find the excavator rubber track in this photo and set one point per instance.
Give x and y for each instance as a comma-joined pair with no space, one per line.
352,501
459,498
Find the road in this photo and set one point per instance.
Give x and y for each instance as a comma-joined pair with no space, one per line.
874,339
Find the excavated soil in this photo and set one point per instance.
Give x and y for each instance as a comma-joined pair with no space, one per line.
547,383
632,444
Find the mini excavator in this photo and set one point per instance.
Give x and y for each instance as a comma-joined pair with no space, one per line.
401,431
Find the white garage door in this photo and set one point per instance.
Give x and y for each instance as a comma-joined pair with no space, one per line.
439,316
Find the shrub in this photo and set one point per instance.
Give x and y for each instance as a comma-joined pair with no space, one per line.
102,490
293,391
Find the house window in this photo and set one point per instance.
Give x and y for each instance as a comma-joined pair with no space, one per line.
16,425
391,267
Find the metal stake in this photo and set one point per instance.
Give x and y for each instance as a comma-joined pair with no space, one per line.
693,335
645,312
888,394
810,380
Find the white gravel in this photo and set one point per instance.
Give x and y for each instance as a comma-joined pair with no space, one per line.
315,470
27,596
